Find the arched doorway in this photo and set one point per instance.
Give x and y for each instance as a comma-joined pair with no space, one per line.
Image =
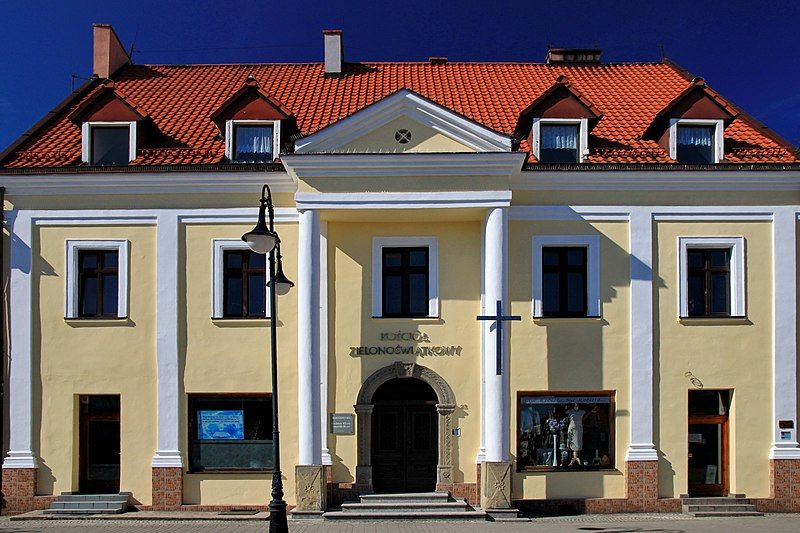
445,406
404,435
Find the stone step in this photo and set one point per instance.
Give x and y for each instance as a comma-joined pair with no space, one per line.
729,507
121,497
88,504
723,514
715,500
404,515
418,498
82,511
378,507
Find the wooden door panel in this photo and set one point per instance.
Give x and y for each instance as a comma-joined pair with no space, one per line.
404,448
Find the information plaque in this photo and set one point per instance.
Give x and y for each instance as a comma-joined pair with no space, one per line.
342,424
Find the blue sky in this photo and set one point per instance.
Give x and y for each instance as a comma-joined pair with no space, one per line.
748,51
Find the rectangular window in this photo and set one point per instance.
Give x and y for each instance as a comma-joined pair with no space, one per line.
229,432
564,281
708,282
110,145
244,284
253,143
98,283
565,430
405,282
559,143
695,144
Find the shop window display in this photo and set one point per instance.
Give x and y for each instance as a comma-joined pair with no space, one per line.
565,431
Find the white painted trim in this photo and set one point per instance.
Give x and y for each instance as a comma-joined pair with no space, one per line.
784,335
403,200
229,134
123,251
409,104
219,247
323,341
641,446
497,404
304,166
20,343
666,180
719,135
379,243
738,274
612,213
583,134
86,137
169,395
149,183
592,245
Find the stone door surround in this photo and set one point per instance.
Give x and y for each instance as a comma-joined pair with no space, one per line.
445,408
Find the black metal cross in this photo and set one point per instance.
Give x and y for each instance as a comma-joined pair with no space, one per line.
499,318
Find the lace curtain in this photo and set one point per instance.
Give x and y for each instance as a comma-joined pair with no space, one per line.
695,135
559,137
253,143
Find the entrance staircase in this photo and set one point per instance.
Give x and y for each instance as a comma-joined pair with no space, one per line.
730,506
86,504
422,506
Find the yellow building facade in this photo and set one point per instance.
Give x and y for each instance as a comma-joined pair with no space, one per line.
596,376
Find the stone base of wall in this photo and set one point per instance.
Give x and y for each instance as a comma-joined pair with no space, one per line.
211,508
784,487
167,489
467,491
311,488
495,485
641,486
19,489
566,506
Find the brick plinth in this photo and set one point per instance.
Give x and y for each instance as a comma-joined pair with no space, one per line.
784,487
641,486
467,491
19,489
167,489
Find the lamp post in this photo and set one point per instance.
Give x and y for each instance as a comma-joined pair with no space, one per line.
263,239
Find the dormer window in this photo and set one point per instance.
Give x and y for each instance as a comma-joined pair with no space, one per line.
560,140
253,141
109,143
695,141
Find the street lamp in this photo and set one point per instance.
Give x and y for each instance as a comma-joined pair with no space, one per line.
264,240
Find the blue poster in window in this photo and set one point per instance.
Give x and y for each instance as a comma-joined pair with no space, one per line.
220,425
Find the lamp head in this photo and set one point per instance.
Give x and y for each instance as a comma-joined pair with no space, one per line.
282,284
261,239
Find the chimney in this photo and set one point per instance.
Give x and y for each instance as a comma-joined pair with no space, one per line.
109,54
437,60
334,53
561,56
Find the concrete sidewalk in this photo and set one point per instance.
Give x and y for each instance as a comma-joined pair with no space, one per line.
664,523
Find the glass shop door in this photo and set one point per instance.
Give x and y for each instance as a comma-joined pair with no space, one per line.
708,443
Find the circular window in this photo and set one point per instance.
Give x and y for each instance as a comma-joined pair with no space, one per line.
402,136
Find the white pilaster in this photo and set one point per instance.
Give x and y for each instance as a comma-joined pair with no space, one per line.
641,447
481,457
784,320
323,342
168,453
495,416
20,378
308,356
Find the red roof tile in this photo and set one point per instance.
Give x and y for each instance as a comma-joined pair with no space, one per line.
180,100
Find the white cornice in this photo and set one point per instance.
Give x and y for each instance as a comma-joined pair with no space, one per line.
716,180
409,104
403,165
402,200
144,183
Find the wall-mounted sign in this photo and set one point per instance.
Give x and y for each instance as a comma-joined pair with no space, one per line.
342,424
400,349
786,424
786,435
220,425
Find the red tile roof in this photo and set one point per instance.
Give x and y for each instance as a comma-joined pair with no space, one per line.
180,100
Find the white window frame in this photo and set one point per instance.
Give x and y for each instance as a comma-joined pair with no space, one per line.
583,133
86,138
736,270
219,247
122,247
276,135
378,244
719,135
592,245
